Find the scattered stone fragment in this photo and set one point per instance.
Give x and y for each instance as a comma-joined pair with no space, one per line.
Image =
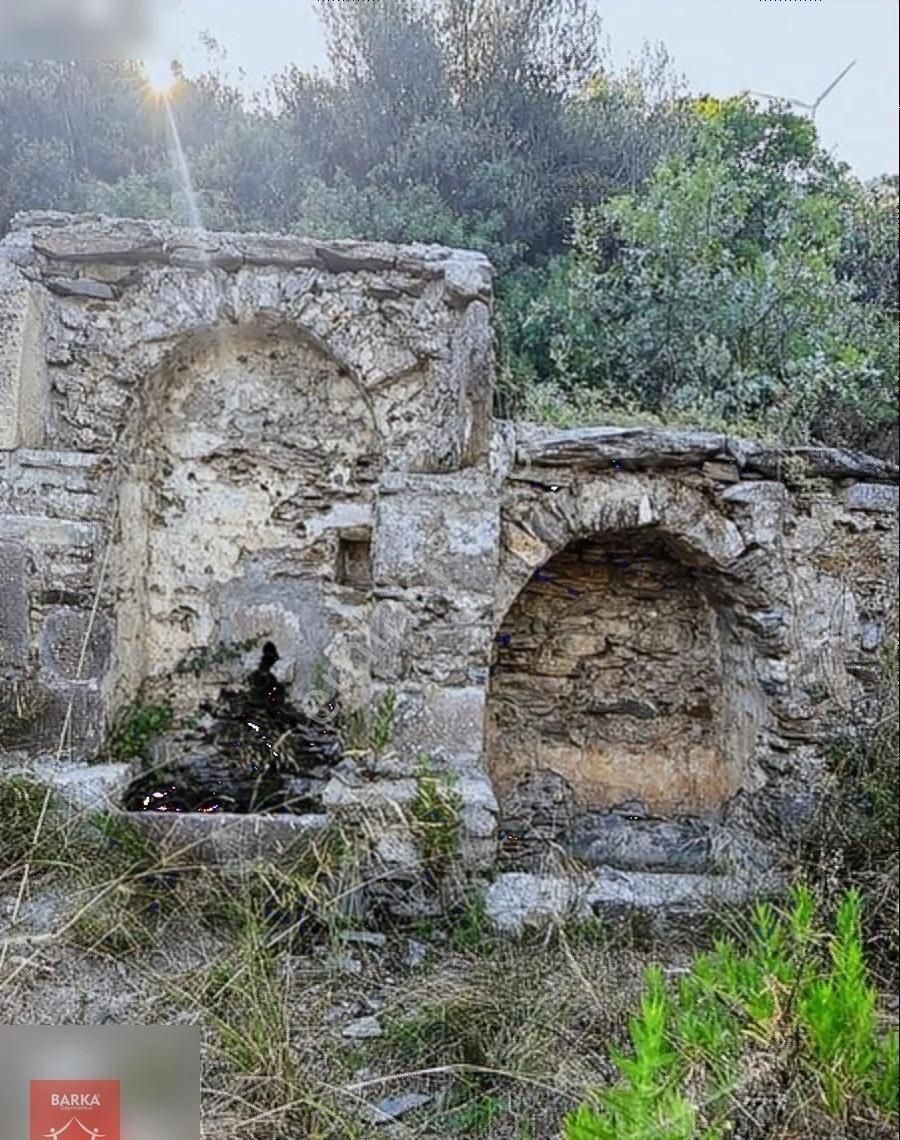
345,964
369,937
362,1028
415,955
393,1107
347,771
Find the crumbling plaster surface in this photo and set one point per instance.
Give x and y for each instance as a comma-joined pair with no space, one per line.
208,438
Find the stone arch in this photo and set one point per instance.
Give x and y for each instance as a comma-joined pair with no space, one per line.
620,666
415,386
247,456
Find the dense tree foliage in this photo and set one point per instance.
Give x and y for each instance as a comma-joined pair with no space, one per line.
655,253
750,283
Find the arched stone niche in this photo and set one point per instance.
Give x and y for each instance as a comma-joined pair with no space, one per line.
624,678
245,505
608,671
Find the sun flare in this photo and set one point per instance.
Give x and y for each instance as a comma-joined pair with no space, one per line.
160,75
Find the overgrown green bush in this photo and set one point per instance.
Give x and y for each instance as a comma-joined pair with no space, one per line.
791,997
736,290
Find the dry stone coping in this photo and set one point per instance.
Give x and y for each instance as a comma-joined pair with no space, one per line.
648,448
393,1107
77,240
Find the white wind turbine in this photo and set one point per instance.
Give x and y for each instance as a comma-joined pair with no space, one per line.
814,106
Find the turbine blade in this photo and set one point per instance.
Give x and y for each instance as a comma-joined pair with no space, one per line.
783,99
831,86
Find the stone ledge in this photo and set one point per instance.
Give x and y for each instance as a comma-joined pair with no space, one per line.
648,448
226,838
92,239
518,900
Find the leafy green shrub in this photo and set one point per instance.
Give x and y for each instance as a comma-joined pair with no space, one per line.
648,1106
725,291
137,727
837,1011
775,991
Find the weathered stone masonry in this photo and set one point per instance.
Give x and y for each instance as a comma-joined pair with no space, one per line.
631,646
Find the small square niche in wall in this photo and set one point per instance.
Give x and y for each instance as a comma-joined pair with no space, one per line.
354,558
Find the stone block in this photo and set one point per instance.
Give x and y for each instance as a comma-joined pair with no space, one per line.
640,845
472,376
14,625
431,718
42,533
62,551
82,287
389,640
226,839
44,717
68,634
437,534
85,787
872,497
389,798
614,890
764,506
516,900
124,240
721,472
468,277
23,363
42,488
451,650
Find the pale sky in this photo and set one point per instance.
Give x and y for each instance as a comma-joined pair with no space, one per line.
786,47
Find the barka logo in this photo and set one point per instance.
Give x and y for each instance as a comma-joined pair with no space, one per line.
74,1110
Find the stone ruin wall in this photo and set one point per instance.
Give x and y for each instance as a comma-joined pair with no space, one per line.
627,644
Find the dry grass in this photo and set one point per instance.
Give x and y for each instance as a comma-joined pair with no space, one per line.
503,1038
